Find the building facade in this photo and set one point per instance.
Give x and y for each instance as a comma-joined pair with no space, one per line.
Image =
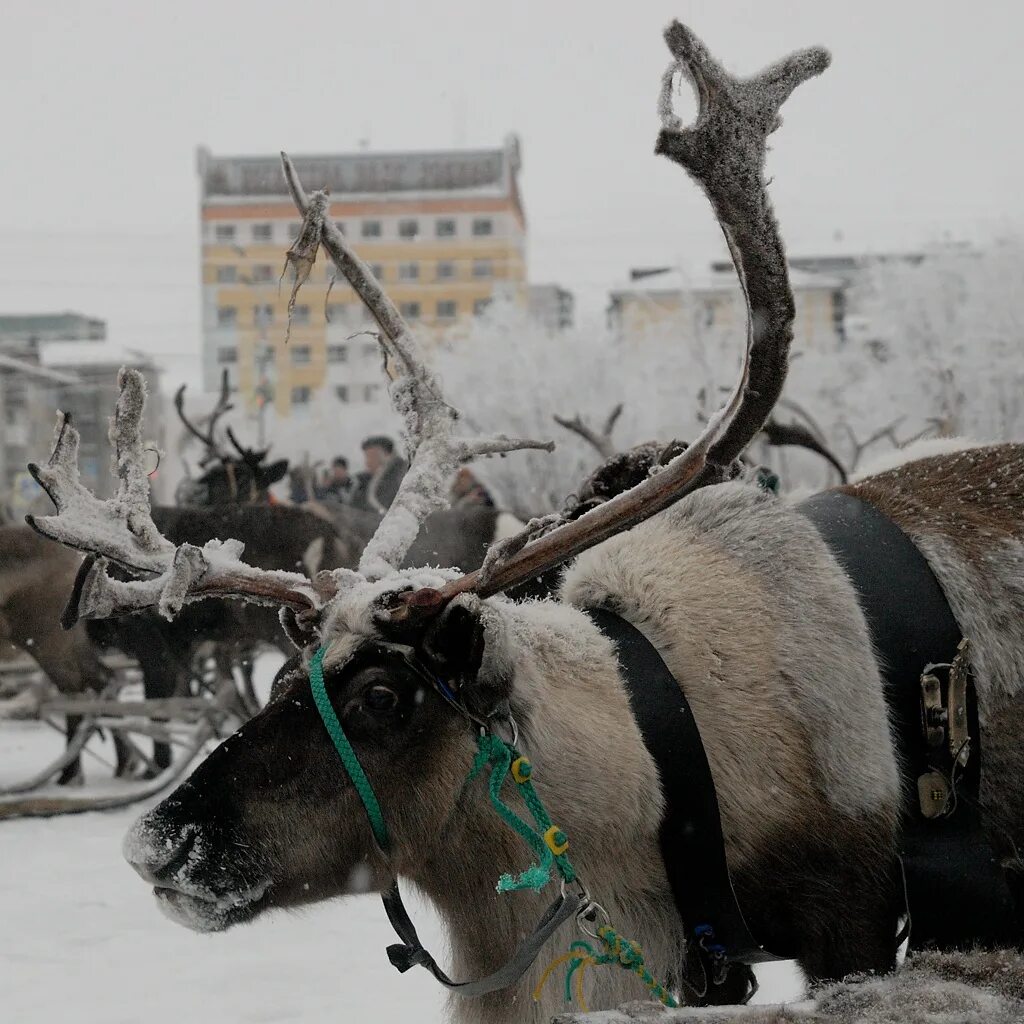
659,296
443,232
551,306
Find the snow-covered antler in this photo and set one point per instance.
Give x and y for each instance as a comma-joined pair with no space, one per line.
121,530
724,152
429,422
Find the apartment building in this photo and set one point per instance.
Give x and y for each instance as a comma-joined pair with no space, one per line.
443,231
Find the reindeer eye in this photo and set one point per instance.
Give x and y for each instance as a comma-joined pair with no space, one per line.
380,698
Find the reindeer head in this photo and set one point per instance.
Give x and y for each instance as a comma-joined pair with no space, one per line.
227,479
414,663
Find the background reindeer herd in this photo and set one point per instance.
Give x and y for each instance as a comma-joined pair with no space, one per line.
232,497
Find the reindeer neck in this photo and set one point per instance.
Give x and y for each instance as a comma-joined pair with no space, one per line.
598,783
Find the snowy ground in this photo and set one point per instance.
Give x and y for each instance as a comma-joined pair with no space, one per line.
81,939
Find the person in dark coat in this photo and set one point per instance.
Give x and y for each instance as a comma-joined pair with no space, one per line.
377,486
338,485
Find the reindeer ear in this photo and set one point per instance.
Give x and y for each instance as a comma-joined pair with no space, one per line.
453,645
271,474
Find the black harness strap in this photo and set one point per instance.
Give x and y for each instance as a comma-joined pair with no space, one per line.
957,892
411,953
692,846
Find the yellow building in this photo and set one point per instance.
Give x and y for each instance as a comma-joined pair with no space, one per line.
443,231
663,296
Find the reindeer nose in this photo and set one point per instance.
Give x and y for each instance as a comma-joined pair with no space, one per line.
155,847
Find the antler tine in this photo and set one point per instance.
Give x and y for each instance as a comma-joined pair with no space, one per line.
602,441
797,436
435,452
121,530
724,152
208,439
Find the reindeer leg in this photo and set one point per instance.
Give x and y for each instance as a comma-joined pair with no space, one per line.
72,774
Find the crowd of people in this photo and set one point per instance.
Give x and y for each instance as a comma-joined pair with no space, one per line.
374,486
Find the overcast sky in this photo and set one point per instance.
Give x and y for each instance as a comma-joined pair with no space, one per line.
912,134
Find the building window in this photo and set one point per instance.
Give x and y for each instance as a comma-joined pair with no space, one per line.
408,271
377,269
262,315
335,312
302,355
371,229
410,310
262,232
445,228
370,349
446,309
226,316
337,353
262,272
445,271
226,354
370,392
300,316
226,275
342,392
295,229
224,232
482,268
301,395
480,306
408,228
483,226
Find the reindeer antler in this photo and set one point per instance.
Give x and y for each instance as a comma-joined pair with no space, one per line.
429,422
601,441
724,152
121,529
782,435
208,439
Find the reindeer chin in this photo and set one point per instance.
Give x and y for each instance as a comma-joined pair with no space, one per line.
210,914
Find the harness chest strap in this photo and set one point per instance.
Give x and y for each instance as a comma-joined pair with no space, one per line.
957,892
691,840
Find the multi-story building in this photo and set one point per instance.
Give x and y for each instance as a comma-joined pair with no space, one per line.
551,306
664,295
443,231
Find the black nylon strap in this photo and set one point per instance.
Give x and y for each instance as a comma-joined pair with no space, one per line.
411,952
956,890
692,846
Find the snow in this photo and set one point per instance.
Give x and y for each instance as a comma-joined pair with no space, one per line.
83,939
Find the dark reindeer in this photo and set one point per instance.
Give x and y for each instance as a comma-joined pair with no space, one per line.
742,599
242,477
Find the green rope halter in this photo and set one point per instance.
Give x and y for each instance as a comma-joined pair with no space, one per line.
345,751
546,840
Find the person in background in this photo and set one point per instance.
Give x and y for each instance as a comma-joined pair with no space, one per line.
467,490
338,484
378,484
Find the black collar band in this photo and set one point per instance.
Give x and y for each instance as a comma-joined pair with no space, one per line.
692,846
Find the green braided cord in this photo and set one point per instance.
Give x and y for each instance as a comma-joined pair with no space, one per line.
345,751
494,751
576,963
627,955
617,951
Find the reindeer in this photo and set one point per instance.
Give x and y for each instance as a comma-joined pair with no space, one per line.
425,681
35,577
244,477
